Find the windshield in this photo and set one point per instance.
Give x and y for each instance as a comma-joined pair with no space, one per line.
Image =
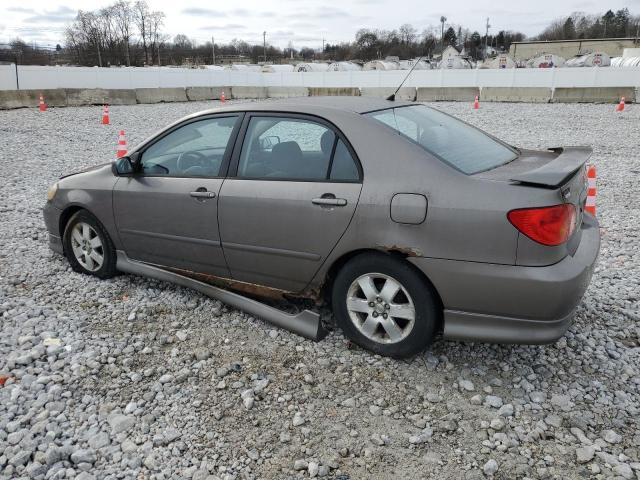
454,142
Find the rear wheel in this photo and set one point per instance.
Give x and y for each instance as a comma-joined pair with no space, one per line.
88,246
384,305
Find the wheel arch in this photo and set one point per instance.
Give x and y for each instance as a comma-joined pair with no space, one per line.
66,215
402,256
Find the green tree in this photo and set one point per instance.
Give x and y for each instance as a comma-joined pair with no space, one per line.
569,29
621,22
450,36
608,24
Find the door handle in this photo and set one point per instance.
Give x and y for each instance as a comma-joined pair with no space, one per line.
204,194
330,201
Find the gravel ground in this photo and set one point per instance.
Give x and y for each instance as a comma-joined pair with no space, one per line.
133,378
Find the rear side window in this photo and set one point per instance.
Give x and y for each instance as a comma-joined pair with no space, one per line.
344,167
460,145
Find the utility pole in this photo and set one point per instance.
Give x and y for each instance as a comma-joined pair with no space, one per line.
17,78
442,20
213,50
322,47
486,39
264,46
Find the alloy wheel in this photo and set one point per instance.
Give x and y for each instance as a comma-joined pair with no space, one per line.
87,246
381,308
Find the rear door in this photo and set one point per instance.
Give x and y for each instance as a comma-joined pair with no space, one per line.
168,213
292,190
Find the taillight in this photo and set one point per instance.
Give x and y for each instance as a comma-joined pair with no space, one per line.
546,225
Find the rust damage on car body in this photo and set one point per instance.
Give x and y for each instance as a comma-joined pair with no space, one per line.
406,251
235,285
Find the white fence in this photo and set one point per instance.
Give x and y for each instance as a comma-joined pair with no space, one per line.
36,77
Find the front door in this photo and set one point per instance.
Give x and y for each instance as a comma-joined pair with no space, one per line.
295,190
168,213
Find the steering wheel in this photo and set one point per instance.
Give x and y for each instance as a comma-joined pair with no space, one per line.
187,160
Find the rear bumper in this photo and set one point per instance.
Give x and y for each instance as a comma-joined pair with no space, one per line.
513,304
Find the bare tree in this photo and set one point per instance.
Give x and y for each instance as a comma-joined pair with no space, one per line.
141,16
407,34
156,21
124,19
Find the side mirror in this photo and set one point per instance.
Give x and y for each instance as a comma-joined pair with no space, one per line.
129,164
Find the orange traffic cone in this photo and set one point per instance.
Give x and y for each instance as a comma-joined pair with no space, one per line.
590,205
43,106
222,99
122,145
620,107
476,103
105,115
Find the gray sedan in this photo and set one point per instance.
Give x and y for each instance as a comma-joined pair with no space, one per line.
405,220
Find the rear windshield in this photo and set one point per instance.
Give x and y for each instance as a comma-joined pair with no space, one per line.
460,145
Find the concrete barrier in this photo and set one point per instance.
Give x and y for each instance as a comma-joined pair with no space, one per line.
248,92
99,96
447,94
516,94
331,91
207,93
594,95
31,98
405,93
160,95
287,92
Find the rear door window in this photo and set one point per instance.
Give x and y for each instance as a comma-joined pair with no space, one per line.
283,148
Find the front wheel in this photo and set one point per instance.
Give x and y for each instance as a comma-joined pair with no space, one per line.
384,305
88,246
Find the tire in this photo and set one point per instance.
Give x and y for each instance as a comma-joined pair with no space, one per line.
88,247
377,328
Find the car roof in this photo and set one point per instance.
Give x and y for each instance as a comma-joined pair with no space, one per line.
316,105
330,107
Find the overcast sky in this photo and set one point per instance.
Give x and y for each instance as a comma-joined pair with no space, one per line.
303,22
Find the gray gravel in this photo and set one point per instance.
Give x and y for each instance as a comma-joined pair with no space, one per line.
133,378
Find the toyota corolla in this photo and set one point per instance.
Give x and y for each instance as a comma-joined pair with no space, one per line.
406,221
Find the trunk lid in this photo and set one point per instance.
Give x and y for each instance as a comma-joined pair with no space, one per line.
560,168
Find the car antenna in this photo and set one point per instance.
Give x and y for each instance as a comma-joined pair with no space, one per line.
392,97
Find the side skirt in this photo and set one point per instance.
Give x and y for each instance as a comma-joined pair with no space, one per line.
305,323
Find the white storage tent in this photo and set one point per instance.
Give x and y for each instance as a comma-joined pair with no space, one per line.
311,67
420,64
344,67
546,60
625,62
381,65
594,59
454,63
277,68
501,61
243,67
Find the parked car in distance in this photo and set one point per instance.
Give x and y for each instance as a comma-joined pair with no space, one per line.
407,221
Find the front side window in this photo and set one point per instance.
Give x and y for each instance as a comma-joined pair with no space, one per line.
193,150
460,145
290,149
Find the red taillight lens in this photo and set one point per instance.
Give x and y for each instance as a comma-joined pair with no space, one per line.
546,225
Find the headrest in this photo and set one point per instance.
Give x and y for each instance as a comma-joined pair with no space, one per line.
326,142
285,156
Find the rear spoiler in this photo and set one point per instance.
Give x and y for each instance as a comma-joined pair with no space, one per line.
559,170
